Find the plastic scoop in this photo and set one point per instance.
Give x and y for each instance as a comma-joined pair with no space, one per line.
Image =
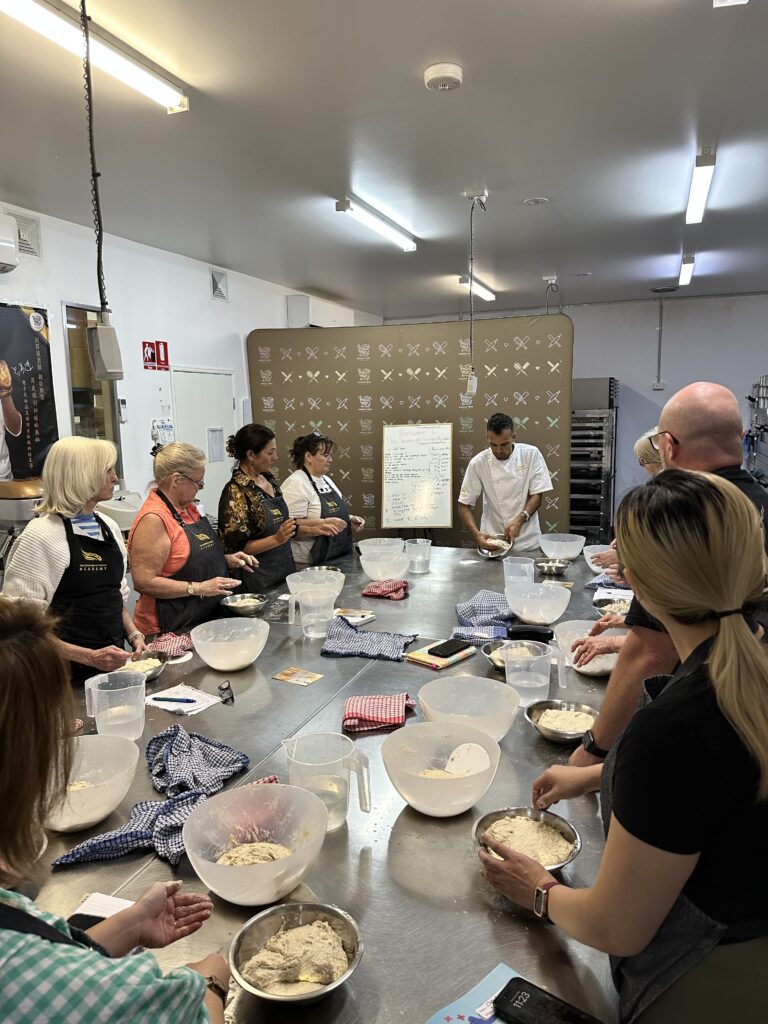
468,759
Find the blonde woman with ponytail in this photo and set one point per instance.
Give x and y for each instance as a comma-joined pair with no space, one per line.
681,898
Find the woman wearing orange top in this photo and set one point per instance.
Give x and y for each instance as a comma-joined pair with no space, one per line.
178,565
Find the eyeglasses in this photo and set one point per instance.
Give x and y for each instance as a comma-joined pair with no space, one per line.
655,439
225,692
199,484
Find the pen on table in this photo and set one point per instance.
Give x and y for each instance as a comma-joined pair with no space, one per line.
177,700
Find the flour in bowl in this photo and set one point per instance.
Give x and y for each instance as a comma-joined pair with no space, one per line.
253,853
145,665
566,721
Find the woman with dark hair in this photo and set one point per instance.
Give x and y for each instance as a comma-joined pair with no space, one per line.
316,502
52,971
253,515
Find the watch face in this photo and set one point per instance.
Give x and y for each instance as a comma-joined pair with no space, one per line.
539,902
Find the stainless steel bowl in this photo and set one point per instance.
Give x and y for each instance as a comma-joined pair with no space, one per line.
534,712
564,827
259,929
552,566
495,554
157,656
255,602
489,648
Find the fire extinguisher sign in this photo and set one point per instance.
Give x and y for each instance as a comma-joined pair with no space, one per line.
155,355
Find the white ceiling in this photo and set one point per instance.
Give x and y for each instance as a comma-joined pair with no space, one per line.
598,104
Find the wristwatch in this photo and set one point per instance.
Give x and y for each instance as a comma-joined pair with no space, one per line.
590,745
541,899
213,983
191,589
527,515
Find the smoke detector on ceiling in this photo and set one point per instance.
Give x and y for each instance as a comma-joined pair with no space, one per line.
443,77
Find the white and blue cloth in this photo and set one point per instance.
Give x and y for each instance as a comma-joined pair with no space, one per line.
347,641
479,635
486,608
604,580
87,526
181,762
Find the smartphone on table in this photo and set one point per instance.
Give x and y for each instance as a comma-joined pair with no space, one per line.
522,1002
447,648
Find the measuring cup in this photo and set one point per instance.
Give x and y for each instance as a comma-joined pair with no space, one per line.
316,605
321,762
116,701
526,666
517,570
418,552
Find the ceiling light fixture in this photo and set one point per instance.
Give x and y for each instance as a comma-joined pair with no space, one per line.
477,287
728,3
686,269
54,20
536,201
377,222
703,171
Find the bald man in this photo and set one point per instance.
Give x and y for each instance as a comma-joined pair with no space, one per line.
700,428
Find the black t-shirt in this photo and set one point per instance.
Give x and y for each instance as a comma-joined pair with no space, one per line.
685,783
637,615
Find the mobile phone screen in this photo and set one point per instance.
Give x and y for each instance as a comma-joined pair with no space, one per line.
522,1002
448,648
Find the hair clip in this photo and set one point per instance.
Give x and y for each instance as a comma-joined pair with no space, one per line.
156,449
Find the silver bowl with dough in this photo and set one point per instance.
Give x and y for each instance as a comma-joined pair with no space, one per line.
259,929
534,712
561,825
160,656
244,604
499,552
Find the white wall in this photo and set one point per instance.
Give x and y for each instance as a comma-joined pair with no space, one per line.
718,339
154,295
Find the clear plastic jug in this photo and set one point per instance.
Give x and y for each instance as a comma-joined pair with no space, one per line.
518,570
316,605
321,762
527,666
116,701
419,551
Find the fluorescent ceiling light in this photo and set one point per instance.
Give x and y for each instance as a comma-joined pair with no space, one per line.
478,288
700,182
377,222
686,270
63,30
728,3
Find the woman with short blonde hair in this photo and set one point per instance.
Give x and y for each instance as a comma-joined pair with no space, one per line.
646,454
178,564
73,560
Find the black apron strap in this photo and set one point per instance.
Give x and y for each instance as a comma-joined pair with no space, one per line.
332,506
274,563
14,919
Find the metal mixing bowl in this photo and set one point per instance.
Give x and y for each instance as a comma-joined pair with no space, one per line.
259,929
495,554
561,825
156,656
247,610
534,712
552,566
488,650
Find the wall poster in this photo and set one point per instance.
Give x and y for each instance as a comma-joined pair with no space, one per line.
28,412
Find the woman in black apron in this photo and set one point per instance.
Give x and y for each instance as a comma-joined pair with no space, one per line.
52,971
680,900
178,564
253,515
317,504
73,560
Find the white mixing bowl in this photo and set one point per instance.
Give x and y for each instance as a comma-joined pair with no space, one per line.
107,764
230,644
561,545
485,704
537,603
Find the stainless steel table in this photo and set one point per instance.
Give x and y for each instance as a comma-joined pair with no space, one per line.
431,925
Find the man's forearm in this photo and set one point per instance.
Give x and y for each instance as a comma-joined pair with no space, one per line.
467,517
645,653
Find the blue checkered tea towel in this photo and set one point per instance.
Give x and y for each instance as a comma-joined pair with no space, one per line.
347,641
486,608
153,825
604,580
479,635
181,762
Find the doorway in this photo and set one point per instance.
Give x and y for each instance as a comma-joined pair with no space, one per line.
204,415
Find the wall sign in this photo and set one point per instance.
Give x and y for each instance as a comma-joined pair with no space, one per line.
155,355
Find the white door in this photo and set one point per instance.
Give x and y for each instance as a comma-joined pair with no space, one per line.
204,415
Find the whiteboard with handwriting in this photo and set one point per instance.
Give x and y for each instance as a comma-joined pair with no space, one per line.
417,477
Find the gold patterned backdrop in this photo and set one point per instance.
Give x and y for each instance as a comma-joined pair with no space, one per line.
349,381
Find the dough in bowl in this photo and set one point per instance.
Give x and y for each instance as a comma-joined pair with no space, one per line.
533,838
253,853
298,960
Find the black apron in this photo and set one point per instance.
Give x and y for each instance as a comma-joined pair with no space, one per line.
332,506
14,919
686,934
87,600
206,561
275,563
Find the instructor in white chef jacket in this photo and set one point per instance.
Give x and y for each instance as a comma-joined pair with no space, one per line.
511,477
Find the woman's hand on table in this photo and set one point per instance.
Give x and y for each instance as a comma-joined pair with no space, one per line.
108,659
164,914
242,560
563,782
515,875
609,621
358,523
588,647
605,558
219,586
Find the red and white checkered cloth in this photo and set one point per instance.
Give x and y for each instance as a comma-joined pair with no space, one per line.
376,711
267,778
172,644
394,590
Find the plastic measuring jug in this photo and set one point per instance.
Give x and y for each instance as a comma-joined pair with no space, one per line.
419,551
527,665
321,762
517,569
116,701
316,605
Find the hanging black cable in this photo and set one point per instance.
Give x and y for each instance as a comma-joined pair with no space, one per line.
554,288
95,200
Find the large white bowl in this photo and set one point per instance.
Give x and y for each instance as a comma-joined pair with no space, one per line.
230,644
589,552
316,576
568,632
108,764
429,745
561,545
260,812
371,543
484,704
393,566
537,603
